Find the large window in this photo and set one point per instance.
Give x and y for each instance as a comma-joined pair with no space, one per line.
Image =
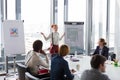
76,10
36,16
61,18
11,9
99,21
7,12
0,40
112,23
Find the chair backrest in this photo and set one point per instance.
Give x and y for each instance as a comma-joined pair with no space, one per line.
113,57
21,70
47,78
44,76
28,76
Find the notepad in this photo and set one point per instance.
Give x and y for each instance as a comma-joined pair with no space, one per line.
74,59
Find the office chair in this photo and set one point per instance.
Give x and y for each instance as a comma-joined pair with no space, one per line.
21,71
28,76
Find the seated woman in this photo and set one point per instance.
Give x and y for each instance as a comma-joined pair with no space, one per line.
34,60
59,66
102,49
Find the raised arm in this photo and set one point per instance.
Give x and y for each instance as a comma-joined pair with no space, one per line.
42,62
43,52
46,38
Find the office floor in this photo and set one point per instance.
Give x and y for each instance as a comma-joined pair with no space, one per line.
7,78
11,76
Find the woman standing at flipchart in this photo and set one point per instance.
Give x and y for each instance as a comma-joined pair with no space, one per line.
54,36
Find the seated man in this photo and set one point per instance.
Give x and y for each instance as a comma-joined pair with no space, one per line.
34,61
98,66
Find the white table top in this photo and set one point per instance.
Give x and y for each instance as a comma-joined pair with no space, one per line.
84,62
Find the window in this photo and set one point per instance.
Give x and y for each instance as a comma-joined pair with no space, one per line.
0,40
99,21
112,23
76,10
36,16
10,16
61,18
11,9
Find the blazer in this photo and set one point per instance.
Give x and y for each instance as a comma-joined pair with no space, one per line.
93,74
60,69
105,51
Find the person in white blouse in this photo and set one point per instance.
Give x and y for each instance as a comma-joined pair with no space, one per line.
54,36
34,60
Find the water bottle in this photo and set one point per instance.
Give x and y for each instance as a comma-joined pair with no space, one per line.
75,54
109,58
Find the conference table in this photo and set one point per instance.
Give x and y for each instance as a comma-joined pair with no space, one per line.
84,63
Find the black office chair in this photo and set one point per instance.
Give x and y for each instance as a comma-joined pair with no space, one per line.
113,56
21,71
28,76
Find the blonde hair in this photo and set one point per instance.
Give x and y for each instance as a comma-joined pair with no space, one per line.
64,50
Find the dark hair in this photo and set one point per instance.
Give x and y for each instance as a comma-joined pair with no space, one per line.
97,60
103,40
37,45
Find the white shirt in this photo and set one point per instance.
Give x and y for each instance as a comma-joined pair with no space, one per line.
55,38
100,51
34,61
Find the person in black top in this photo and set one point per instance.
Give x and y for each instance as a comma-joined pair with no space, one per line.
102,49
59,66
